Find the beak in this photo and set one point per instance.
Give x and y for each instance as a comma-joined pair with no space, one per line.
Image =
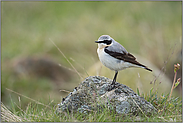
97,41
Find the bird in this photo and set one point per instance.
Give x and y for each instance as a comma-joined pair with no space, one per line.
115,57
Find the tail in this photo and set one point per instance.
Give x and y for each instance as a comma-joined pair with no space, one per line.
147,69
142,66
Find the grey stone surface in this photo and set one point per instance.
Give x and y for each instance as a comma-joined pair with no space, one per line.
95,93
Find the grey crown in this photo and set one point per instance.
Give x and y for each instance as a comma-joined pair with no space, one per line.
115,47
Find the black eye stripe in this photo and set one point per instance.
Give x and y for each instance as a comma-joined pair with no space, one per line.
106,42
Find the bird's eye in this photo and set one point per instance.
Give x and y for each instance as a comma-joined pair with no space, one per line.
107,42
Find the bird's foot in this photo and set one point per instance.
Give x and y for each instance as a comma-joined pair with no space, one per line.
111,86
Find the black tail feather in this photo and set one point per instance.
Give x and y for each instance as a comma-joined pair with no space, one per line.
148,69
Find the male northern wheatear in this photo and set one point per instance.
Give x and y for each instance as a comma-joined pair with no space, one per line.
114,56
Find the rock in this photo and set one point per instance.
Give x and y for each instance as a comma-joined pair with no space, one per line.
139,78
95,93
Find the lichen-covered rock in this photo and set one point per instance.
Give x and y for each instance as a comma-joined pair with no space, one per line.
96,92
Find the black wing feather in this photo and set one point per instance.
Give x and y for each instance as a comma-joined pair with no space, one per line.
127,57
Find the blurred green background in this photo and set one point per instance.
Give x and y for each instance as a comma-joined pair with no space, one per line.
33,66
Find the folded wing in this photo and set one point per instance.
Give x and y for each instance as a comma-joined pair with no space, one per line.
125,56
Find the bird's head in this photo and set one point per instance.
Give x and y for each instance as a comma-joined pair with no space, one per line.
104,41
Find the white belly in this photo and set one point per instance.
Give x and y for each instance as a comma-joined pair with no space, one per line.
111,62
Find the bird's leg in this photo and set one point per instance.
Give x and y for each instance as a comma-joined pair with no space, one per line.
113,82
114,79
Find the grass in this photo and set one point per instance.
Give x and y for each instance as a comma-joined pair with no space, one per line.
150,29
168,111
